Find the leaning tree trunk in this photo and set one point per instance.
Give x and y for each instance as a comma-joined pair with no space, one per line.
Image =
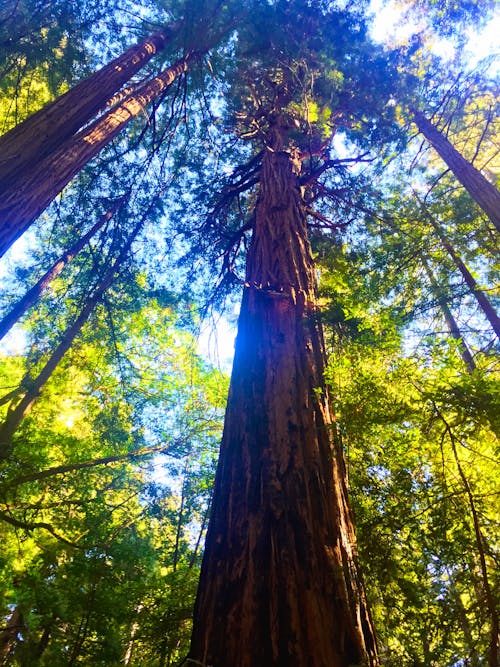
33,294
480,189
482,300
17,412
450,320
30,141
279,582
22,204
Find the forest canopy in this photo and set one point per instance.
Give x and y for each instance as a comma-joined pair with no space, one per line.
329,191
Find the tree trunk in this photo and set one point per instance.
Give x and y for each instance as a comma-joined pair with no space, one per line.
33,294
29,142
491,602
8,634
21,204
16,414
481,298
279,583
451,322
480,189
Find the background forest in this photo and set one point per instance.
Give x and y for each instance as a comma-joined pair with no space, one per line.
113,414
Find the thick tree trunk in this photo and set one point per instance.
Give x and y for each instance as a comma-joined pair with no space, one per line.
29,142
22,203
17,413
480,189
279,582
33,294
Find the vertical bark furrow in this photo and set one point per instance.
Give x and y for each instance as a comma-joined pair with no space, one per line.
29,142
21,205
279,583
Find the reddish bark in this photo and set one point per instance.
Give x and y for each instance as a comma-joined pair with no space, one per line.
21,204
30,141
279,583
480,189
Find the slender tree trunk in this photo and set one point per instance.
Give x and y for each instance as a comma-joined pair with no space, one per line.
16,414
480,189
29,142
481,298
279,582
21,204
180,520
493,653
33,294
451,322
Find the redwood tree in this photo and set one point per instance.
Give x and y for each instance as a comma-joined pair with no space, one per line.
279,582
30,141
22,202
33,386
33,294
480,189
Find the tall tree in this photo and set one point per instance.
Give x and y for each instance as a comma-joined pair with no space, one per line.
30,297
481,298
33,387
479,188
279,582
47,129
21,203
451,322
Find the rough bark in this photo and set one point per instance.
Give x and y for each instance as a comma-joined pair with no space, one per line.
22,204
30,141
279,582
480,189
16,413
33,294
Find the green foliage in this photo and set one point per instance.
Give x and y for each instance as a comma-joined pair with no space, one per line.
420,435
103,504
107,553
